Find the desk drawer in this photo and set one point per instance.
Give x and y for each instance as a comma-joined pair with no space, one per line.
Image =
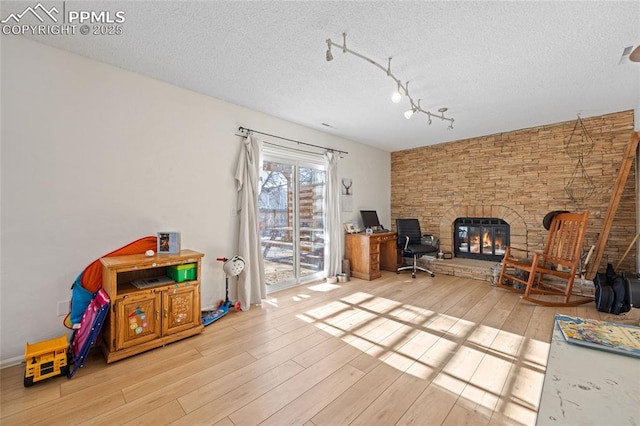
386,238
374,262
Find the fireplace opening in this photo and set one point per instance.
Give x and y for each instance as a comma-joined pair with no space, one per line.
480,238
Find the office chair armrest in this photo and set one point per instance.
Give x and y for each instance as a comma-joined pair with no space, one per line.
406,243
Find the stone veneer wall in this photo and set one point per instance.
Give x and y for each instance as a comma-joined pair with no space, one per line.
518,176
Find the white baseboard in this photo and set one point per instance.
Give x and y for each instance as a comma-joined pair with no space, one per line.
10,362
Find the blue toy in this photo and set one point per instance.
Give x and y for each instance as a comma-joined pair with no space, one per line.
231,267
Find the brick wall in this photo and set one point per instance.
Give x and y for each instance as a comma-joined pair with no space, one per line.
518,176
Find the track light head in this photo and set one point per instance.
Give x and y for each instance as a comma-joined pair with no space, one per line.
397,96
329,54
408,114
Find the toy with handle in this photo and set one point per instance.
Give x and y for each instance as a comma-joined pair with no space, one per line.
231,267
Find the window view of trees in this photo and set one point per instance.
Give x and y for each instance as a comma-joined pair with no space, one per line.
281,220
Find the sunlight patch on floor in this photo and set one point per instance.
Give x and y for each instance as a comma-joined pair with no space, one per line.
459,370
324,287
486,383
406,354
433,359
482,336
305,318
357,298
476,362
518,413
460,328
526,386
535,353
272,301
300,297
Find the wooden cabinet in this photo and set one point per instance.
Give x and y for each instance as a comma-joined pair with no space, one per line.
140,322
368,254
145,318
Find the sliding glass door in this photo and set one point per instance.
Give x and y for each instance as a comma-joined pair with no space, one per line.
291,203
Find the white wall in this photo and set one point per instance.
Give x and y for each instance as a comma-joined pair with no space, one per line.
94,157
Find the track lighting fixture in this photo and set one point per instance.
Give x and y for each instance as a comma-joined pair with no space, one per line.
397,95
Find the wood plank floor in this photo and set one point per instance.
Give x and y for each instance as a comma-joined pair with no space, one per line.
442,351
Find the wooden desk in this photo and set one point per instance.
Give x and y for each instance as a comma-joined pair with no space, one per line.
370,253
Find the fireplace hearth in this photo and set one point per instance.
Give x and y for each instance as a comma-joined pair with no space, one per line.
480,238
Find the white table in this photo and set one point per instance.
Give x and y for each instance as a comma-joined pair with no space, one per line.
585,386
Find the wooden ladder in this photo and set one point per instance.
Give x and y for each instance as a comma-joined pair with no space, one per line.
616,194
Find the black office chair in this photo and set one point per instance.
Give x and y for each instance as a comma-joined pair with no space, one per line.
410,241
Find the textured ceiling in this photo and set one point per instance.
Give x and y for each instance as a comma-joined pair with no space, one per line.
497,66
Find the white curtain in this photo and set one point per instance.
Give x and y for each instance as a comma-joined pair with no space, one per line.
333,226
251,282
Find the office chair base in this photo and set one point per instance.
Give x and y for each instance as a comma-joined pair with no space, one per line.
414,268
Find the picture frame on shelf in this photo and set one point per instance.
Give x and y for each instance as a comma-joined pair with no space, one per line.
350,228
168,243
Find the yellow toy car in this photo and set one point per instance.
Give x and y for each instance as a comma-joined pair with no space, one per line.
46,359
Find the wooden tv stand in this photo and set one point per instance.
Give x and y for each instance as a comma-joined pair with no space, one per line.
140,319
368,254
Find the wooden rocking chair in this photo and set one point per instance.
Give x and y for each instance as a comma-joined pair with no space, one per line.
552,272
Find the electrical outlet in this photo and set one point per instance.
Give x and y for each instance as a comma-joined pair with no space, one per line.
63,308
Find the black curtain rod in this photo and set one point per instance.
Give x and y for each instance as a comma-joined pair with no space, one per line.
244,129
289,148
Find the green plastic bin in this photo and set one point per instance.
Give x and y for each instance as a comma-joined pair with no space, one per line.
180,273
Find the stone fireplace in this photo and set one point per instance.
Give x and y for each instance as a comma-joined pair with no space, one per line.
480,238
498,221
478,267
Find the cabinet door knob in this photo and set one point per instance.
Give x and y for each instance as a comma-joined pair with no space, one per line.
166,313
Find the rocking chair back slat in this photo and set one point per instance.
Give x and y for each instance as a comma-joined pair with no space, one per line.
565,238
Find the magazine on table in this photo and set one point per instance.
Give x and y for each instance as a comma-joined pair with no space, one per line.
609,336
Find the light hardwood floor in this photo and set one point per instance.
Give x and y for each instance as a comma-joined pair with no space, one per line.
443,351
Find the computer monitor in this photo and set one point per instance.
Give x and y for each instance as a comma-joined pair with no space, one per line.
370,219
